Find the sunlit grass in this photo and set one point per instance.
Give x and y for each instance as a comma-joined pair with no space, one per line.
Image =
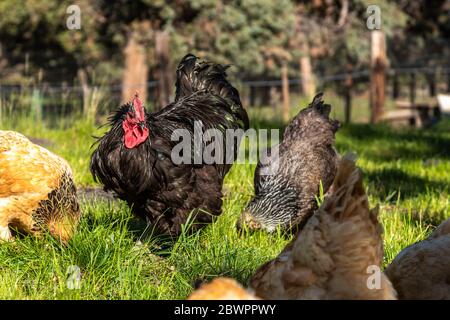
406,173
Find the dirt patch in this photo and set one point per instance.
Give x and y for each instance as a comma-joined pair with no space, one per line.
41,142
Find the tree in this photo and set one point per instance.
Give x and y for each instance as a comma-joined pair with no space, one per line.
241,33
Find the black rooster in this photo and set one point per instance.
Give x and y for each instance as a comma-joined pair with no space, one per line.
134,158
286,186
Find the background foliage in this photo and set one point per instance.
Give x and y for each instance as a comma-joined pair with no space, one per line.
252,35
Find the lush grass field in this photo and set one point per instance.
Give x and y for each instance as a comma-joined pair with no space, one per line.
407,173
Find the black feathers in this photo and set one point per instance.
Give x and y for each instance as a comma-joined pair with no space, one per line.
160,191
195,76
320,106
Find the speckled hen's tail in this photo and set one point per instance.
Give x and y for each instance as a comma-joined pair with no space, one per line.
319,104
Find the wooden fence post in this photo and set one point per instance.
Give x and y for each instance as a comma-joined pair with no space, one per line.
84,83
164,70
285,86
378,74
135,72
307,80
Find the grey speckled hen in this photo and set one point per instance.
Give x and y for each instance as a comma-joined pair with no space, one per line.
286,187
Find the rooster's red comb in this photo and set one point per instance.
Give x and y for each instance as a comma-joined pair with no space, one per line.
136,101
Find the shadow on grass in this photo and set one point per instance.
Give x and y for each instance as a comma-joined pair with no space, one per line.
140,231
392,144
384,181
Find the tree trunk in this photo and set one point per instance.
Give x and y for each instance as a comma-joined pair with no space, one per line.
378,75
163,70
135,75
285,85
308,83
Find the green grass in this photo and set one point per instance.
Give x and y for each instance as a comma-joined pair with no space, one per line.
407,173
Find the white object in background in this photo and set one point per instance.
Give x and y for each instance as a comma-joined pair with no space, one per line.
444,103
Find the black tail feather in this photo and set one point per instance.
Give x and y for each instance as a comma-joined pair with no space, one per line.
319,105
194,75
185,73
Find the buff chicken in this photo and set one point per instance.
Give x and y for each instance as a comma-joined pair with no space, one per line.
422,270
37,191
222,289
337,255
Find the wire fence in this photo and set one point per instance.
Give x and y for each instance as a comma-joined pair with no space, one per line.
321,79
253,92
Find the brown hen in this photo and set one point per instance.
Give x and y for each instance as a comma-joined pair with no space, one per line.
422,270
